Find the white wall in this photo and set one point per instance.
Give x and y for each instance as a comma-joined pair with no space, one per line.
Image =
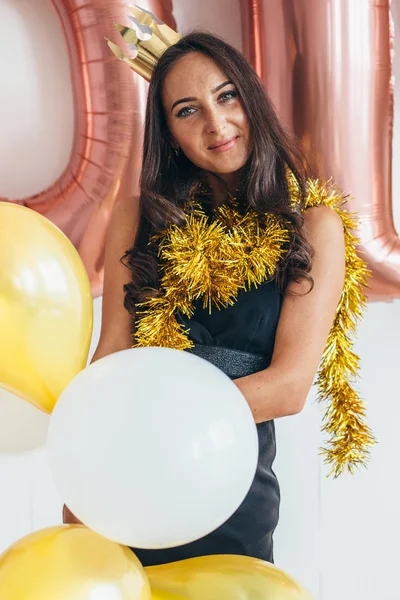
340,537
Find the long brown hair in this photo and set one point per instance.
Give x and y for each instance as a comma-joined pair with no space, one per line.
167,179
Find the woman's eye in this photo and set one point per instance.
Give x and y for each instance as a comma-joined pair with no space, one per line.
185,112
229,95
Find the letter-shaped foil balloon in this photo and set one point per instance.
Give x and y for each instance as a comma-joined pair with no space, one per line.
109,104
327,65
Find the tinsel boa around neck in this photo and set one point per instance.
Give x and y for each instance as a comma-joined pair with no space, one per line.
214,260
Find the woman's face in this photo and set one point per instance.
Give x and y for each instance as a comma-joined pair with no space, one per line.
205,116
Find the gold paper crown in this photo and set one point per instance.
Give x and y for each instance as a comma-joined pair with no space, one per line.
148,38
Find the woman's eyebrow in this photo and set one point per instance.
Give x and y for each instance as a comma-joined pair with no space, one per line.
192,98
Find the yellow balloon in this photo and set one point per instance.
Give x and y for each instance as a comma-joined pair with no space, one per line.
223,578
46,307
71,562
160,595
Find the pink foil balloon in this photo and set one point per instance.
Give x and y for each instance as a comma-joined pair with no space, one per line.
109,106
327,65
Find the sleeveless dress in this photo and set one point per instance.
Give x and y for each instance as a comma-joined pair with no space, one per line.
248,329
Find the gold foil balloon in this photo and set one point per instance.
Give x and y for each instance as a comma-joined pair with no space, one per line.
159,595
223,577
71,562
328,67
109,105
45,307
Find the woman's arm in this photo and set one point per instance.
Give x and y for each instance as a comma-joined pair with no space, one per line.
304,325
116,322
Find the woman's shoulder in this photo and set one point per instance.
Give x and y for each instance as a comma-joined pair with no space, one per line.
322,217
324,230
322,210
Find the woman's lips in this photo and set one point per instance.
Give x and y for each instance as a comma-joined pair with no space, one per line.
224,145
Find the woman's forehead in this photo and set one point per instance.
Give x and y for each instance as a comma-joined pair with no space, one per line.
194,73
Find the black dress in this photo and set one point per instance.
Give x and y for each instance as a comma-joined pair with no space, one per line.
248,329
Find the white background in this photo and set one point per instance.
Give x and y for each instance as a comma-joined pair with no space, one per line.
340,538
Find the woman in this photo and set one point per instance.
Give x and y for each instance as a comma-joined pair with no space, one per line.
212,135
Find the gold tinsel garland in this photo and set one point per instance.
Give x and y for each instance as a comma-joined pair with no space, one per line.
214,261
350,438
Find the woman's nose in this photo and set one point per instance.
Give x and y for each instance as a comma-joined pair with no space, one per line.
215,121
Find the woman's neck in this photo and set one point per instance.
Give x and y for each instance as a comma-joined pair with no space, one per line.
223,187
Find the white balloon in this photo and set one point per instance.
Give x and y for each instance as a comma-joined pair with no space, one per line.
152,447
23,427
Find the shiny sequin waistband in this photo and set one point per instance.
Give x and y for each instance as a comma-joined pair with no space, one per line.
233,363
